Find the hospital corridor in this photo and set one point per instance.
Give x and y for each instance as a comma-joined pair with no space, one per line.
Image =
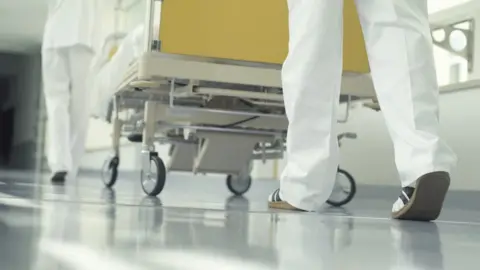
239,134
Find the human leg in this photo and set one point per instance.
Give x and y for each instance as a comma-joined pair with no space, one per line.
80,59
56,85
311,78
399,45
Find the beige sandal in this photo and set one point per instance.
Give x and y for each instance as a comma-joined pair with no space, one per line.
276,202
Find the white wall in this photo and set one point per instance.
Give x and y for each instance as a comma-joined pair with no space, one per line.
134,14
439,5
109,23
21,24
370,157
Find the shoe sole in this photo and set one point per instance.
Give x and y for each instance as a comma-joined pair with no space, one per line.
283,206
58,181
427,200
59,178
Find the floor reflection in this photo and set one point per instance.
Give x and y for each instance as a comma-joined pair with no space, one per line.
82,226
417,245
18,237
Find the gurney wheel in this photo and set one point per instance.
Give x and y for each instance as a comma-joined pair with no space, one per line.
238,184
153,180
344,190
110,171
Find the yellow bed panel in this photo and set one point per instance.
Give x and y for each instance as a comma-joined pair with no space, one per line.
246,30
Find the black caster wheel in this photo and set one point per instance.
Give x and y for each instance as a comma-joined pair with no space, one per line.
110,171
153,180
239,185
135,137
344,189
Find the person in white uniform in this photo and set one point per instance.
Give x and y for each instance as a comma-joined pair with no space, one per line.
68,49
400,51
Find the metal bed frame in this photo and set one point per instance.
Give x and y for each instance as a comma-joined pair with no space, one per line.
217,115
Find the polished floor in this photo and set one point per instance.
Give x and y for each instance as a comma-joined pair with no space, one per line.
196,224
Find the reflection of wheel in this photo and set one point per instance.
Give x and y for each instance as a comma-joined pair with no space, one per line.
239,184
109,195
344,189
153,180
150,214
237,203
110,171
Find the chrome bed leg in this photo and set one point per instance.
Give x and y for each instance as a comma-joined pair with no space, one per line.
111,164
117,128
148,145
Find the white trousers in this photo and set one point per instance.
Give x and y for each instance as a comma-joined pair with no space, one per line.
400,52
65,78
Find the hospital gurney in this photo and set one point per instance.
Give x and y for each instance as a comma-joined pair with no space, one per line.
209,85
